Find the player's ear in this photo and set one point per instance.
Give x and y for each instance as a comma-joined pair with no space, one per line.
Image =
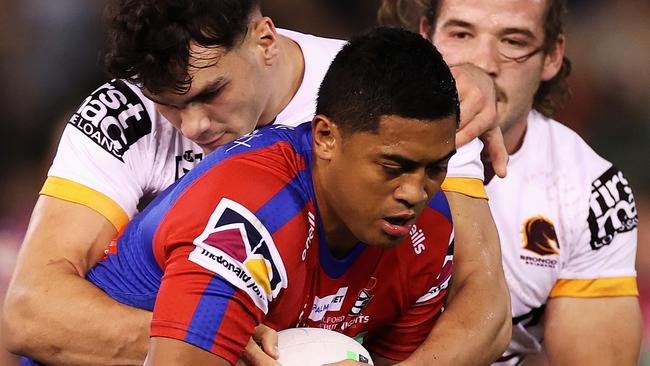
326,135
266,39
553,59
426,30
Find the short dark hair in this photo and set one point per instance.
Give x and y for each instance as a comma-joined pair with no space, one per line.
551,96
148,41
387,71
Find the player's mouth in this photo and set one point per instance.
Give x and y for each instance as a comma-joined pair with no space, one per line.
398,225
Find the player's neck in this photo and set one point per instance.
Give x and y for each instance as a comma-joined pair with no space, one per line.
286,79
340,240
513,137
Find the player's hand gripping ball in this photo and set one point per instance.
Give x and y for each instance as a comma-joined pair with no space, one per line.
315,347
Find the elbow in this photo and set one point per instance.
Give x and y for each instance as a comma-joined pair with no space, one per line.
16,323
503,337
500,336
504,319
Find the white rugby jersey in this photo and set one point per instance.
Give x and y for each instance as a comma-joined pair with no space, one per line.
117,151
567,223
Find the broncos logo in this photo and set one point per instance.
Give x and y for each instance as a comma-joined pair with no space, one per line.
540,237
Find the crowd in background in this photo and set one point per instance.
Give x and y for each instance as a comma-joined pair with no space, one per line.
49,62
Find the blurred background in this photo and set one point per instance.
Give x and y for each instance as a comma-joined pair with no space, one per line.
49,51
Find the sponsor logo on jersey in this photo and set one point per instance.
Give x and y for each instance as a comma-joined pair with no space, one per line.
356,320
361,302
540,237
327,303
611,208
417,239
442,282
444,277
354,315
187,161
333,319
114,117
363,298
310,234
237,246
244,141
539,262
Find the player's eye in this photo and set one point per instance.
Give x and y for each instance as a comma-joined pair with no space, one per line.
514,42
460,35
434,172
208,96
391,169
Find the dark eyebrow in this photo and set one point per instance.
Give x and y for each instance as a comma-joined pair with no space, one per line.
457,23
406,162
399,159
523,32
208,90
464,24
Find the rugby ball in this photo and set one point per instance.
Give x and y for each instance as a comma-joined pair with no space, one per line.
315,347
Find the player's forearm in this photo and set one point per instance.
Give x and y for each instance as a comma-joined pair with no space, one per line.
58,317
476,326
474,329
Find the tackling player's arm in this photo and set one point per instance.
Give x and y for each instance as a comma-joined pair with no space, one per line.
593,331
51,312
475,327
593,315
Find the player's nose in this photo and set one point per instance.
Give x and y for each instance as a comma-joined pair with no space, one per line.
194,122
486,56
413,189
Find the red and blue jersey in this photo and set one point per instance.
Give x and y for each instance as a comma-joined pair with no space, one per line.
238,241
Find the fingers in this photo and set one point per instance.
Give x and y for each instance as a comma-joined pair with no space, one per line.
472,101
498,155
477,117
255,356
268,338
478,112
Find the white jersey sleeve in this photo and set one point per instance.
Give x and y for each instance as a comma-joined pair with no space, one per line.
601,261
115,150
465,171
567,225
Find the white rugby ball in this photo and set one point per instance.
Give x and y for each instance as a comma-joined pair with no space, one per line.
315,347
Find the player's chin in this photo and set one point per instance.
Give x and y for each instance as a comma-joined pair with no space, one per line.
384,240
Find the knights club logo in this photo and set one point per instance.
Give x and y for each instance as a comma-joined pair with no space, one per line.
236,245
363,298
540,237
